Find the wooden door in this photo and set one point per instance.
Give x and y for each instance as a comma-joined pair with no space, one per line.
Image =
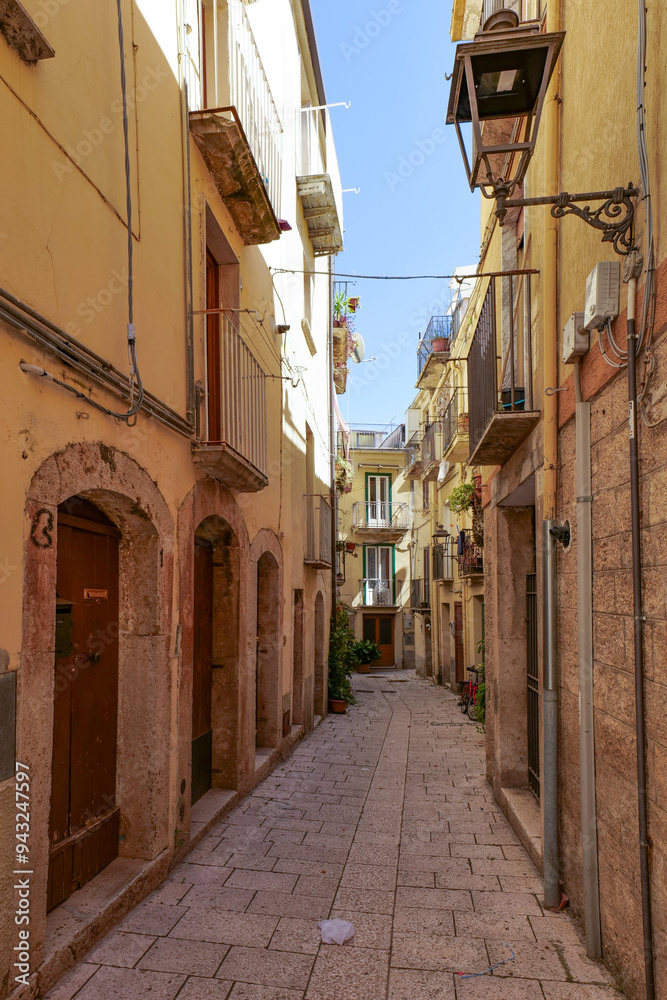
458,642
213,350
84,820
380,629
297,664
202,730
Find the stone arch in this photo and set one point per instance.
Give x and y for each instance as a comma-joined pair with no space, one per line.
212,512
266,553
320,684
115,483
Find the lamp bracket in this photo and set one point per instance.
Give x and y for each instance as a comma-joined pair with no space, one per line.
613,218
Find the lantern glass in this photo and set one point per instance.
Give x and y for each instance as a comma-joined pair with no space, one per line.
501,75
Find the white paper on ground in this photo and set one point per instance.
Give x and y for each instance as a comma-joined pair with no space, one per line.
335,931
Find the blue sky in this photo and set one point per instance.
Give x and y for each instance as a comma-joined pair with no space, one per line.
415,213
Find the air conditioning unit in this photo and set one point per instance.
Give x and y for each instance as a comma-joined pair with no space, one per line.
603,294
576,338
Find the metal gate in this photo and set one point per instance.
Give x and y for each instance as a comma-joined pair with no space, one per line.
532,694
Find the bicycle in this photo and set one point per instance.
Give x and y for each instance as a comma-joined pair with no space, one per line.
468,699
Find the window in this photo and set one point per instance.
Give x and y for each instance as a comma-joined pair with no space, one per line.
378,585
378,503
426,495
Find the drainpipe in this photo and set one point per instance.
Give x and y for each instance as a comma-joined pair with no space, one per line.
332,448
589,833
639,641
550,441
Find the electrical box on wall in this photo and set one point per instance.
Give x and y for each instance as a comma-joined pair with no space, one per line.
576,338
603,294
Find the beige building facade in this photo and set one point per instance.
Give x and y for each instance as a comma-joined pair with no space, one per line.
166,437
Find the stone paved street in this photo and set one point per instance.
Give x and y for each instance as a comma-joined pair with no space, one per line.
381,817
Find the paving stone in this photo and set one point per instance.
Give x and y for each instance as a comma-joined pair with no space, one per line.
225,927
153,918
193,958
223,898
271,881
266,968
412,984
297,935
121,949
110,983
349,974
205,989
283,904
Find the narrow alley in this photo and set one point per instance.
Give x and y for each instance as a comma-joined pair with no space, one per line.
381,817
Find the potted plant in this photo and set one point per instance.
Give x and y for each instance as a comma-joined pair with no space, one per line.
440,344
462,497
344,473
366,652
353,303
341,661
340,308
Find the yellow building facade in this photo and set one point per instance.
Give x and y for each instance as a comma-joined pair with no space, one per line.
573,663
165,318
373,543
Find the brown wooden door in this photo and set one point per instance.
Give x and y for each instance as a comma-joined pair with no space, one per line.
202,732
213,350
83,824
458,642
380,629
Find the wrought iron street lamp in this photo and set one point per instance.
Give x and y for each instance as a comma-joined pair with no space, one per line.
499,84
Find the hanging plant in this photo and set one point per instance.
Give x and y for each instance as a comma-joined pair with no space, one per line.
462,497
344,472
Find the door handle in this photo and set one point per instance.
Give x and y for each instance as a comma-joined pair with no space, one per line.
94,657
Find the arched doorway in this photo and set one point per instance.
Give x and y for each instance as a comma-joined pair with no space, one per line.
320,678
84,817
269,653
216,657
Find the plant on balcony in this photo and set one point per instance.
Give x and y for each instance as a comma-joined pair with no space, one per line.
462,497
344,472
366,652
342,660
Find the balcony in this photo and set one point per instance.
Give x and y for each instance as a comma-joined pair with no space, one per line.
471,560
236,125
420,595
413,461
380,593
235,452
318,183
500,372
381,521
431,451
443,561
318,533
455,438
433,351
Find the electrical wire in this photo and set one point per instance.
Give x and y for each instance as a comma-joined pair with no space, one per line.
647,322
408,277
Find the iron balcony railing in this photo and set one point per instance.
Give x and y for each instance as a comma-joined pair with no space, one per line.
242,398
413,457
367,436
420,594
443,561
380,514
223,69
430,444
500,378
380,593
471,560
437,339
455,419
318,530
